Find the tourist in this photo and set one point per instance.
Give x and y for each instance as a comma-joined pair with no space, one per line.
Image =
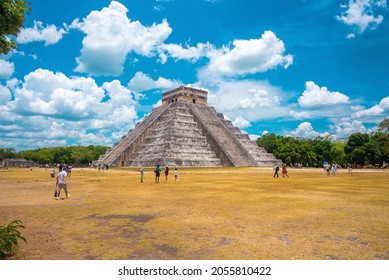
166,173
276,168
327,168
349,169
334,168
141,170
157,172
284,171
175,174
61,184
69,170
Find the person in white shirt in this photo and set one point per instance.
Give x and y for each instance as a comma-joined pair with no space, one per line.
61,184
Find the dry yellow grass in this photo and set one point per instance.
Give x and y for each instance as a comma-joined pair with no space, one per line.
210,213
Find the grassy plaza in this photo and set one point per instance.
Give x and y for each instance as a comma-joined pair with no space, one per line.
209,214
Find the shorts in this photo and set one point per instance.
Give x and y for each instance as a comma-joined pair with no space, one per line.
62,186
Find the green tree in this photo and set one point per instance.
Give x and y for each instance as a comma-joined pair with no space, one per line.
355,149
7,153
357,155
384,126
70,155
28,154
309,157
338,154
62,155
381,140
12,14
322,148
268,142
372,153
291,150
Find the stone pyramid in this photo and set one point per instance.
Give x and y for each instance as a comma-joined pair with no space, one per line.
185,131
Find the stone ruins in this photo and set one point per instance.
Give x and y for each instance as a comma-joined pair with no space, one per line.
185,131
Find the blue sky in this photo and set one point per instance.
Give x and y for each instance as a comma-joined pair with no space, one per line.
85,72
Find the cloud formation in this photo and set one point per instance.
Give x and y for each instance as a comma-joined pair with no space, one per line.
250,99
361,15
248,57
344,129
177,52
57,109
111,36
142,82
305,130
241,122
381,109
6,68
320,96
300,115
49,34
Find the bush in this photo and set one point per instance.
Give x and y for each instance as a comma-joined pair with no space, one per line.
9,238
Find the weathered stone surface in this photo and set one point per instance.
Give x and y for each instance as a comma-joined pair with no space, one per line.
186,132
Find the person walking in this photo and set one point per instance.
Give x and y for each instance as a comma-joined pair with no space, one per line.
69,170
276,168
175,174
349,169
141,174
334,168
61,184
284,171
157,172
166,173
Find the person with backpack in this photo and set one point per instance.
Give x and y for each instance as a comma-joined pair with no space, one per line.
157,172
166,173
276,168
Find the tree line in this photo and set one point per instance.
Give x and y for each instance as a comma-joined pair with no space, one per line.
360,148
78,155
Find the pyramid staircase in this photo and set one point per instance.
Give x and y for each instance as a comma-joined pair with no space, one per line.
122,151
175,140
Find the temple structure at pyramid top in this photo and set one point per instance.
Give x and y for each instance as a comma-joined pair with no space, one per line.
186,94
185,131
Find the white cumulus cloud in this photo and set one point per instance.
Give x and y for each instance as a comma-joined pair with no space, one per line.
241,122
6,68
320,96
142,82
344,129
361,14
55,107
49,34
178,52
300,115
381,109
305,130
250,99
248,57
111,36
